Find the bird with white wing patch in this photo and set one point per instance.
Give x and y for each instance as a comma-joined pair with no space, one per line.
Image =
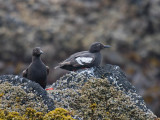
84,59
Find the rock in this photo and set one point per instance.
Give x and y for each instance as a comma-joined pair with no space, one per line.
100,93
18,93
64,27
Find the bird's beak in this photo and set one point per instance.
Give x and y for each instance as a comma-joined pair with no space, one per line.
41,52
107,46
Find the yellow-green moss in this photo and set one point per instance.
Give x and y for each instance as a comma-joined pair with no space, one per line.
13,116
93,106
39,115
2,115
31,114
1,94
58,114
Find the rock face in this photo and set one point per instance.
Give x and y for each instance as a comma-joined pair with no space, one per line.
63,27
17,94
100,93
92,94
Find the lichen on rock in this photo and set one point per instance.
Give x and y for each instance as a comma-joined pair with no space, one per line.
32,114
16,99
101,100
100,93
17,94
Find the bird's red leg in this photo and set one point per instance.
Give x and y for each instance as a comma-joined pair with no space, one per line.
49,89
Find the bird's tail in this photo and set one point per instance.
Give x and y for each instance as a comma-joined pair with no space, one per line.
62,64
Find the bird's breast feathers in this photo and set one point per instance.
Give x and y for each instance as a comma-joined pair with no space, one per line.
83,60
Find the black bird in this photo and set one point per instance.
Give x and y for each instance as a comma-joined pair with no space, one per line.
37,71
84,59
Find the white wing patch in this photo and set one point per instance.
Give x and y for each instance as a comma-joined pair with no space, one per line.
82,60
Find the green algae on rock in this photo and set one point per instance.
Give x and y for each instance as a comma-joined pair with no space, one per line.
100,93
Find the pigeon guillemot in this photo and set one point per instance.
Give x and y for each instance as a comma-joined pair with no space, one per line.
84,59
37,71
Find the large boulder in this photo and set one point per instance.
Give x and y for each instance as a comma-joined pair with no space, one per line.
100,93
18,94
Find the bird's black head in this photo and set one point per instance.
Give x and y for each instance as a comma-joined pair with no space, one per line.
97,47
37,52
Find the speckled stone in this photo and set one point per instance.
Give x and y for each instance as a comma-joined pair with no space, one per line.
105,87
33,91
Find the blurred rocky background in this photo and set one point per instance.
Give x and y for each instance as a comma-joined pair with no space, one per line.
62,27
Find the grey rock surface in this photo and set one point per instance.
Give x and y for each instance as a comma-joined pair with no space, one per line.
108,82
32,93
63,27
